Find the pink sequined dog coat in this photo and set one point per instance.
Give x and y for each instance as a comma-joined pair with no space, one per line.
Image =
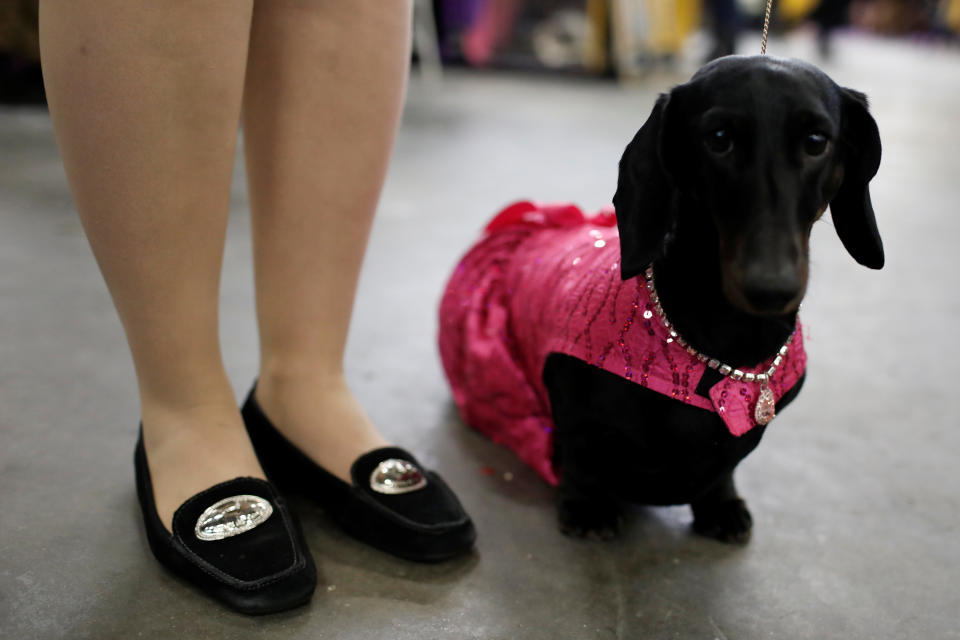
546,279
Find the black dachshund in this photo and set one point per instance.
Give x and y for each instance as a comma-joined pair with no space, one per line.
717,195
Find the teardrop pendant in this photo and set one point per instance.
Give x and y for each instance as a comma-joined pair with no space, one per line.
766,406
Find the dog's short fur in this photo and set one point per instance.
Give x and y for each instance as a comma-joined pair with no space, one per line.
718,190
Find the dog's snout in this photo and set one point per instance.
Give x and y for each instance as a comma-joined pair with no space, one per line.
769,291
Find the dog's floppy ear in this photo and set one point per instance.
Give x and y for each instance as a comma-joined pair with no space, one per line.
644,194
851,208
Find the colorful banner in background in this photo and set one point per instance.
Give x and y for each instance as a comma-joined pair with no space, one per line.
629,37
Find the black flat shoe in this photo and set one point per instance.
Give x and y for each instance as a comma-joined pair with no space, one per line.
392,503
237,541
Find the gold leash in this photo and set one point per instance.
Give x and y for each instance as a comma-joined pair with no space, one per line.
766,27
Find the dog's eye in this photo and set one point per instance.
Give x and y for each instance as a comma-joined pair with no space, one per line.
815,144
718,142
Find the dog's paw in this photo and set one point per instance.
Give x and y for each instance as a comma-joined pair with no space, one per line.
728,521
596,520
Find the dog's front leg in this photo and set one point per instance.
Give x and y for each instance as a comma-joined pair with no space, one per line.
720,513
586,507
584,446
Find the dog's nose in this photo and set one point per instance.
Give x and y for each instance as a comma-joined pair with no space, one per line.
771,292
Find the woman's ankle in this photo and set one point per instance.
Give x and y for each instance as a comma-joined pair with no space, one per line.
278,386
173,397
319,414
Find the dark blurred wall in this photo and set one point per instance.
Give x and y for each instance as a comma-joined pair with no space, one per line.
18,29
21,81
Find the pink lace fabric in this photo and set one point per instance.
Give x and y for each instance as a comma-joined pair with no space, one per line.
546,279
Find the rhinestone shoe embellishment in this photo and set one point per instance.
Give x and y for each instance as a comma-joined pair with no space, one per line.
394,476
232,516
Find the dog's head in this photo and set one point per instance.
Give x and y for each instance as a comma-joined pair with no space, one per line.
754,147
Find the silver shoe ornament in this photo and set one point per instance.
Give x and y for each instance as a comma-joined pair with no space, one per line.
232,516
394,476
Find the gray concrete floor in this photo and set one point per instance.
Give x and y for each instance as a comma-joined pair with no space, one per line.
855,489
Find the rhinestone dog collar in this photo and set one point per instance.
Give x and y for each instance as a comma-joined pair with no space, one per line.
765,410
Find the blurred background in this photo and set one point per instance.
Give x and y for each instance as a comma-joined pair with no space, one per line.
613,38
855,490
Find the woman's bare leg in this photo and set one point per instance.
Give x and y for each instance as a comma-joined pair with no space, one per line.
325,87
145,98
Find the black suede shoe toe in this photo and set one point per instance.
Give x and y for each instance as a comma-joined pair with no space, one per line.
264,569
425,524
393,503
